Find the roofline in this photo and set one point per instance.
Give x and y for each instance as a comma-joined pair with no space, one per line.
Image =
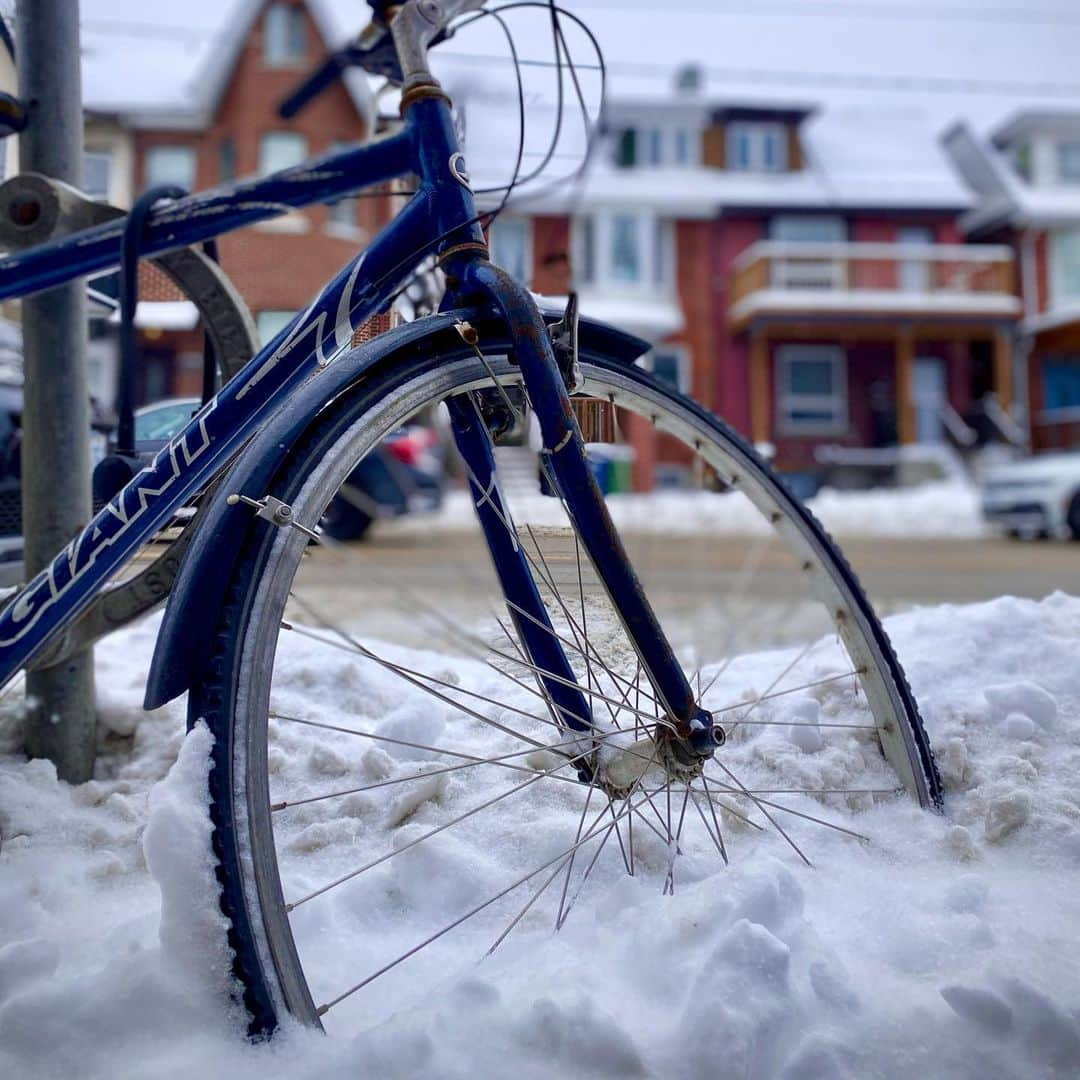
1023,121
217,69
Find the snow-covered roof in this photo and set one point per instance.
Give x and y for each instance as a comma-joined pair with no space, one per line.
1037,121
1003,196
176,80
873,157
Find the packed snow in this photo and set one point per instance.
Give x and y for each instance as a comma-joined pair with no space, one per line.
938,946
946,509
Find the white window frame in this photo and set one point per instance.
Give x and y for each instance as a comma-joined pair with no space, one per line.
1059,240
683,377
652,231
1068,147
501,226
292,136
290,15
836,402
110,164
913,275
656,146
802,273
271,321
757,133
161,150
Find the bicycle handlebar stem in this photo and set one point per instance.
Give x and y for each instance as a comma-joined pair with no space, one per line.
415,25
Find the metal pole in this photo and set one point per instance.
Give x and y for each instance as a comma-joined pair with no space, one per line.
56,410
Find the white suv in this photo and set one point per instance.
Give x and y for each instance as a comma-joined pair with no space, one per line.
1039,496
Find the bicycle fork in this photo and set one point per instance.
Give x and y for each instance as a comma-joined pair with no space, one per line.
688,731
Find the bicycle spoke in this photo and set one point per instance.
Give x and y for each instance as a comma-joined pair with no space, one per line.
758,803
323,1009
717,837
410,678
503,760
291,906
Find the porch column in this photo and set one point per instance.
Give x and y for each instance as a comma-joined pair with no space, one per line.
1003,374
760,411
905,402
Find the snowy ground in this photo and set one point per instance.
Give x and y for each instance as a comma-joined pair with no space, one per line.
944,947
947,509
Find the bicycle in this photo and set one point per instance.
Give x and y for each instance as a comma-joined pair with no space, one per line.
594,683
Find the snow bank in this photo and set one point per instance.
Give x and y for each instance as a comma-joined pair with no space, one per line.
947,509
941,947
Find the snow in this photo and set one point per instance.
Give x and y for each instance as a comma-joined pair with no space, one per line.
841,300
942,946
946,509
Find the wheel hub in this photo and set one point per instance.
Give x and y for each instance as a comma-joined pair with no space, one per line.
680,751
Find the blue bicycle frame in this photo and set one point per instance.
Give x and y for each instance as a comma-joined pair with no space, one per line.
440,217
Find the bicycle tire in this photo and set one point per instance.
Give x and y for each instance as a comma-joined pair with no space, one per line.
232,697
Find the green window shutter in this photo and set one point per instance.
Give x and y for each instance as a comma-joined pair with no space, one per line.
626,157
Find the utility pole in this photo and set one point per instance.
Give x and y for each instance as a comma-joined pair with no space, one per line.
56,409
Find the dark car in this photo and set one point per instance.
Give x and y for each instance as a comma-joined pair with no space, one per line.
11,408
404,473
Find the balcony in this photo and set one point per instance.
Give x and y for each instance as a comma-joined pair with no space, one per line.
941,282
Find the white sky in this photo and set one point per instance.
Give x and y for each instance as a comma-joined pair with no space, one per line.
897,71
980,58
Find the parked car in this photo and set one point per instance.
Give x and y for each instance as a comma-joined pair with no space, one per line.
405,473
1036,497
11,541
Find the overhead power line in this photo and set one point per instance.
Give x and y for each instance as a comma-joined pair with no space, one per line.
849,10
941,84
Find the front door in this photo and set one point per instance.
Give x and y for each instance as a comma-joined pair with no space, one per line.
930,399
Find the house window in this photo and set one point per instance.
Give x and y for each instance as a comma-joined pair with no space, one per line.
170,165
623,251
509,243
226,161
342,214
625,247
585,253
915,273
1021,158
284,36
1061,383
813,271
281,150
271,323
681,154
97,173
811,390
671,363
654,142
1065,268
653,146
1068,156
757,147
626,149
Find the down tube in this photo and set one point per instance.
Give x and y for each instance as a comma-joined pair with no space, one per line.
55,596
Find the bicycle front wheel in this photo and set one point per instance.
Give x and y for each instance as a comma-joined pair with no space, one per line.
392,795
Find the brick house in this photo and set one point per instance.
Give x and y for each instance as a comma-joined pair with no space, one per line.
227,127
803,275
1027,179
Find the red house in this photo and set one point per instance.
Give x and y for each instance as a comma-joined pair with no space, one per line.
802,274
1027,179
217,120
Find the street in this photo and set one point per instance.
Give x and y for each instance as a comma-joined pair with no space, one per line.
404,570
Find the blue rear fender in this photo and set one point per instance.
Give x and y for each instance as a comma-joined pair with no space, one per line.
191,615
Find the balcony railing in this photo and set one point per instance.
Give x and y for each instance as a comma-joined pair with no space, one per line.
787,278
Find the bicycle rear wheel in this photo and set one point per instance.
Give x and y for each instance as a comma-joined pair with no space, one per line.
392,796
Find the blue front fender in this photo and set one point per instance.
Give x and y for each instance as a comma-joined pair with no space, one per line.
191,616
